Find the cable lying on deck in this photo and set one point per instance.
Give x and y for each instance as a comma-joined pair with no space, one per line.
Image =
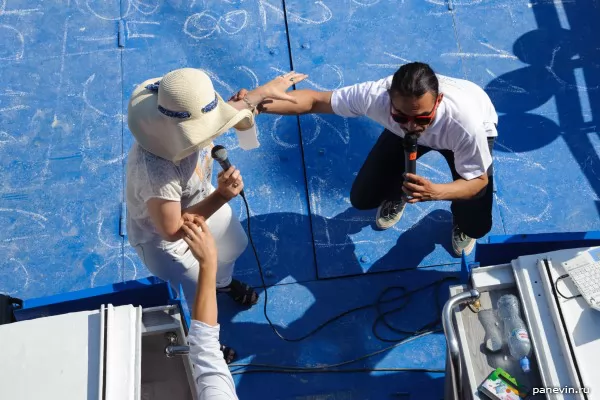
405,296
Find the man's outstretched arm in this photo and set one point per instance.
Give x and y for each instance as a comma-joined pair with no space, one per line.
213,378
307,101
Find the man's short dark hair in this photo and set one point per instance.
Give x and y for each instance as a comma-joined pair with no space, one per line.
414,80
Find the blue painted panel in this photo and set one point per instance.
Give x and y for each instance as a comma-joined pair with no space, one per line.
238,48
504,248
149,292
346,386
347,241
60,200
56,29
297,309
540,66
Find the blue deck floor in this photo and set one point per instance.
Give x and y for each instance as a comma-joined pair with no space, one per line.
69,66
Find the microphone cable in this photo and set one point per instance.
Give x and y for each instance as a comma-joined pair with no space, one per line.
403,295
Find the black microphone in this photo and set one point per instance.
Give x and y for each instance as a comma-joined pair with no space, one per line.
219,153
410,153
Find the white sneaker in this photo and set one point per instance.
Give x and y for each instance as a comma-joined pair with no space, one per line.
389,213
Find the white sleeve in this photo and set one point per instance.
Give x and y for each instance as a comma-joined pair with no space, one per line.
161,181
211,373
355,100
472,156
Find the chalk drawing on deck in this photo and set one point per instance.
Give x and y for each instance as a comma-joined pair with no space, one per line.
145,8
334,68
234,21
14,108
19,43
111,13
550,69
518,159
87,102
277,139
93,166
113,10
524,217
20,12
14,93
95,39
203,25
389,65
343,135
5,138
22,267
496,53
455,2
111,260
62,70
251,74
38,218
310,138
131,27
366,3
134,274
510,88
216,78
325,14
14,276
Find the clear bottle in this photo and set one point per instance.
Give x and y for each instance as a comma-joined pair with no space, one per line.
493,335
515,330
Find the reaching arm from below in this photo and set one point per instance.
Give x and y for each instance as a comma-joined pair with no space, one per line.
212,376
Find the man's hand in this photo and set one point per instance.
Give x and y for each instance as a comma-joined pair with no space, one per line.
230,183
201,242
419,188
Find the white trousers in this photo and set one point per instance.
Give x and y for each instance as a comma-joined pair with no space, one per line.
174,262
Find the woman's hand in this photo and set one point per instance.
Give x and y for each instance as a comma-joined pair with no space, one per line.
230,183
198,237
277,88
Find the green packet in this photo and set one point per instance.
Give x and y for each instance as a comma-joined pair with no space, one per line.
501,386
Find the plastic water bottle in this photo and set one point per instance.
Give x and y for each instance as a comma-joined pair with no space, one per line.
493,337
515,330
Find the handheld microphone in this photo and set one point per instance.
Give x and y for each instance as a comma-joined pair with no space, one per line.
219,153
410,153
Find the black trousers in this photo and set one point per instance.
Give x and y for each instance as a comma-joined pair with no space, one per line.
380,178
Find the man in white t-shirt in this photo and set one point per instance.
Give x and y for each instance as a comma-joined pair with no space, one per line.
452,116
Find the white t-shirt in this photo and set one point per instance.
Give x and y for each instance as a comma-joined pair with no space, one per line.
464,120
150,176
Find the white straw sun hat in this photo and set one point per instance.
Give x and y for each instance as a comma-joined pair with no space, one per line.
174,116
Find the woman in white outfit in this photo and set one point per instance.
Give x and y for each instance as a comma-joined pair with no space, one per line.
169,169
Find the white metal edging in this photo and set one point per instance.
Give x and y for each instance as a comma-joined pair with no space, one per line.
542,330
562,336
